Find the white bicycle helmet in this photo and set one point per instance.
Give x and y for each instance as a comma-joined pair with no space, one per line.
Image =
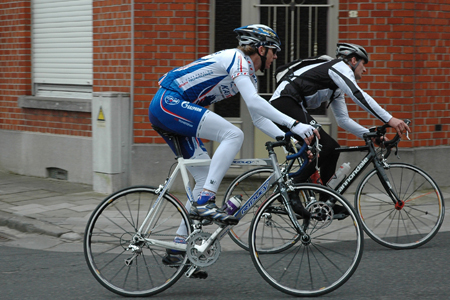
346,49
258,35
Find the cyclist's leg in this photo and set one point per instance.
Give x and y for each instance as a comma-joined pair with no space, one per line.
170,112
214,127
328,157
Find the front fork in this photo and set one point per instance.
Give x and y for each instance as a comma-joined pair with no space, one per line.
292,216
381,166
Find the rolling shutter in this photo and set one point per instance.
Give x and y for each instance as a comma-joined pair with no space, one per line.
62,47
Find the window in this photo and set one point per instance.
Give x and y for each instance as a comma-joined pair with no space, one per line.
62,48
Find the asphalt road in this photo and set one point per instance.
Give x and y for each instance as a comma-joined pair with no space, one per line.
383,273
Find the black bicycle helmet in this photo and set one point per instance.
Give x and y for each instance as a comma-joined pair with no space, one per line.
346,49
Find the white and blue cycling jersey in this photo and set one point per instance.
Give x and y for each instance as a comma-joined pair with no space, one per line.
210,78
179,105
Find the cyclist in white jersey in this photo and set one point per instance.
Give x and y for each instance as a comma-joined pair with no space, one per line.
179,107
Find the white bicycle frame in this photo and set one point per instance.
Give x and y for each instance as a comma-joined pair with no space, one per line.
163,189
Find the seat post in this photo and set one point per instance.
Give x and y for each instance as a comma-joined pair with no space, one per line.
174,137
176,142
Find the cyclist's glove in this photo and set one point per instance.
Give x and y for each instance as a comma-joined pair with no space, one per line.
302,130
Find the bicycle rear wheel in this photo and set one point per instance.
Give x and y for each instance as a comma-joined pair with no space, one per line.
407,227
112,231
245,185
320,261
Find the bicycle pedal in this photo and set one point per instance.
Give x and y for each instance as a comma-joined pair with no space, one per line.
199,274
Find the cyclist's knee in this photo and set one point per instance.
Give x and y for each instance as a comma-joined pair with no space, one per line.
234,134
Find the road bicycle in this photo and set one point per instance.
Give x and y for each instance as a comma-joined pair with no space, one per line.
130,232
400,205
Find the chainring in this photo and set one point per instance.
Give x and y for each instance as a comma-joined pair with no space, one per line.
321,213
206,258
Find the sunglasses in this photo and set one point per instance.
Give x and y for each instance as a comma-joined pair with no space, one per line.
274,51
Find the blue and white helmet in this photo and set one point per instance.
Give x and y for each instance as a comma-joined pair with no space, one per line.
258,35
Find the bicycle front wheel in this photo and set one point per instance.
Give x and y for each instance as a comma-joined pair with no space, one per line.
407,227
323,259
120,256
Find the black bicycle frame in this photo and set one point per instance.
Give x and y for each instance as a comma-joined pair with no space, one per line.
369,158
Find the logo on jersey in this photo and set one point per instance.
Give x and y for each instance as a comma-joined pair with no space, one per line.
171,100
187,105
226,91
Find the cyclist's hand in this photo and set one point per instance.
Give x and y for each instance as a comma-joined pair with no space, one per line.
399,125
378,141
305,131
310,155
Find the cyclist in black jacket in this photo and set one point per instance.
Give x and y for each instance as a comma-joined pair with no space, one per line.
326,79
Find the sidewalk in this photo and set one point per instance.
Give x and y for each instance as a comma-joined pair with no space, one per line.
61,209
54,211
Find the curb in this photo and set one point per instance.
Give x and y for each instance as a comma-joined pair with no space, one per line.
30,225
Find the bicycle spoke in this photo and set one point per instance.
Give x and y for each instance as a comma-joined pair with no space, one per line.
319,262
118,255
417,219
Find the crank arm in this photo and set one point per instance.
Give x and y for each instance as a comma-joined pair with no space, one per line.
166,245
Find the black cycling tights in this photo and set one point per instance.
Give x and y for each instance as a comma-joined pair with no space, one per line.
328,157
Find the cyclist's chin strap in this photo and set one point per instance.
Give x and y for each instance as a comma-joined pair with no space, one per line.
263,59
351,66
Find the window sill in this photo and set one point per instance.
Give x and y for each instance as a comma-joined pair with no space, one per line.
67,104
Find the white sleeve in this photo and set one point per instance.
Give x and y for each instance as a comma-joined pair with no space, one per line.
257,105
344,78
343,120
266,125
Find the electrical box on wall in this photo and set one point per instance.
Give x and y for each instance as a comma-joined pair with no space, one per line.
110,140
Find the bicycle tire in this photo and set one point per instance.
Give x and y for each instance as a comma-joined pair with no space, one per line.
315,266
411,226
110,230
246,184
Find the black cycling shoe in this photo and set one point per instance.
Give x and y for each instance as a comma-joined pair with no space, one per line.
340,212
297,205
174,261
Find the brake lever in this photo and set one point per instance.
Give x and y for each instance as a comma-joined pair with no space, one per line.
318,147
396,152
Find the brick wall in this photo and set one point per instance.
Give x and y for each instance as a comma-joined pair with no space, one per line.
409,42
168,34
15,79
112,45
409,74
15,67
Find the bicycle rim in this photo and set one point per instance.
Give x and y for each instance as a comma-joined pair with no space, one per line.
314,266
110,231
400,228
